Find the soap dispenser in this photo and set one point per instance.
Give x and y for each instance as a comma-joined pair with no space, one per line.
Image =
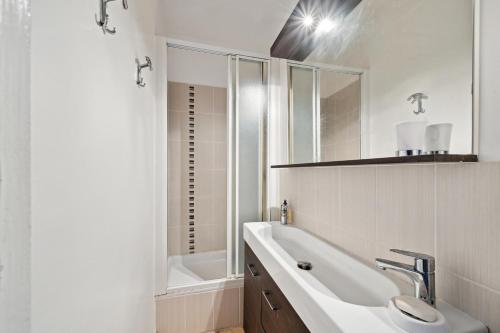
284,213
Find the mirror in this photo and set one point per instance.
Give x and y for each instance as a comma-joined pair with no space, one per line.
389,78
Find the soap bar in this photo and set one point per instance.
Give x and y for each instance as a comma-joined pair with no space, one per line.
416,308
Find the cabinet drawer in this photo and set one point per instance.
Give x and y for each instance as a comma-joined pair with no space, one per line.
277,314
266,309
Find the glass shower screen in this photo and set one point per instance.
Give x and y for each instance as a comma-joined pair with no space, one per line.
249,109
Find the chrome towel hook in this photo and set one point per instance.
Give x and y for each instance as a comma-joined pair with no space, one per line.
103,19
139,79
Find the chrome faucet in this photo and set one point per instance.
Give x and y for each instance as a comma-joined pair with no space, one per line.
421,273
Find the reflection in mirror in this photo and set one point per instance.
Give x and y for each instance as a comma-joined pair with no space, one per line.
302,115
411,91
340,110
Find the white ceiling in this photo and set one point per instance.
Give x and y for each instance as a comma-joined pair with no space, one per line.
237,24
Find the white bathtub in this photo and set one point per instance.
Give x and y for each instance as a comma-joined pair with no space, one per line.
199,272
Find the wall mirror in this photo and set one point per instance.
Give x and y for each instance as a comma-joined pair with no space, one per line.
379,78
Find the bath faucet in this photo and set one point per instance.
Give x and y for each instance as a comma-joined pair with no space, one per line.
421,273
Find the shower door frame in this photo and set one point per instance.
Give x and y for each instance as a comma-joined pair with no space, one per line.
232,216
162,197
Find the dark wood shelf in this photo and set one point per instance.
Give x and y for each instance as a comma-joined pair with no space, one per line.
387,160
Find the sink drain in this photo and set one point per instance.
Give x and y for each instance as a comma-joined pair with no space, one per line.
307,266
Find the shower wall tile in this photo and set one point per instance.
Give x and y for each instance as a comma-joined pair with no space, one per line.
220,100
219,128
204,156
177,125
204,99
204,214
340,124
204,127
449,210
177,240
219,155
178,96
209,165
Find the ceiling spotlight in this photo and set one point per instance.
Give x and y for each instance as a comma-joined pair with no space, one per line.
325,25
307,21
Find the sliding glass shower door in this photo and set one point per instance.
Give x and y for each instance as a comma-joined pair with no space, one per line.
248,132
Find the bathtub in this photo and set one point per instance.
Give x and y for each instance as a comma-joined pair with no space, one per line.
199,272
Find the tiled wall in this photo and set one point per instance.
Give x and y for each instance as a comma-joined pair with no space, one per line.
340,124
451,211
201,312
196,151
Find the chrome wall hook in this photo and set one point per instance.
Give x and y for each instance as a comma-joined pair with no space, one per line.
418,97
103,18
140,67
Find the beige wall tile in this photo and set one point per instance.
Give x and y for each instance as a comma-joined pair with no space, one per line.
450,210
177,126
203,126
288,186
476,300
177,211
203,183
463,239
219,128
405,207
171,315
204,99
357,201
203,155
306,193
489,215
178,96
199,312
220,153
177,240
220,100
327,200
204,213
226,308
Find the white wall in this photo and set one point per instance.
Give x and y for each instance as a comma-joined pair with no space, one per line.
489,141
197,68
93,180
15,26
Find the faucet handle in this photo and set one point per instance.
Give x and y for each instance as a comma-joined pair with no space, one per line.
423,262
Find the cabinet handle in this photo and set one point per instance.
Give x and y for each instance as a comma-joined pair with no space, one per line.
252,270
266,293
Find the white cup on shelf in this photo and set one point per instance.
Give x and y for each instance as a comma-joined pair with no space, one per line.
438,138
410,138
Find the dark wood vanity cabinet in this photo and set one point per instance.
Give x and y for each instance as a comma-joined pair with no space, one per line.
266,309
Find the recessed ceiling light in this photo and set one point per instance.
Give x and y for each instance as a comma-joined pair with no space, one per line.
308,21
325,25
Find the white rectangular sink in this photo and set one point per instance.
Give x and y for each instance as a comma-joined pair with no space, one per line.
339,293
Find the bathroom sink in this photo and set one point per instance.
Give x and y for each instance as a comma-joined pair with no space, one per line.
336,292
